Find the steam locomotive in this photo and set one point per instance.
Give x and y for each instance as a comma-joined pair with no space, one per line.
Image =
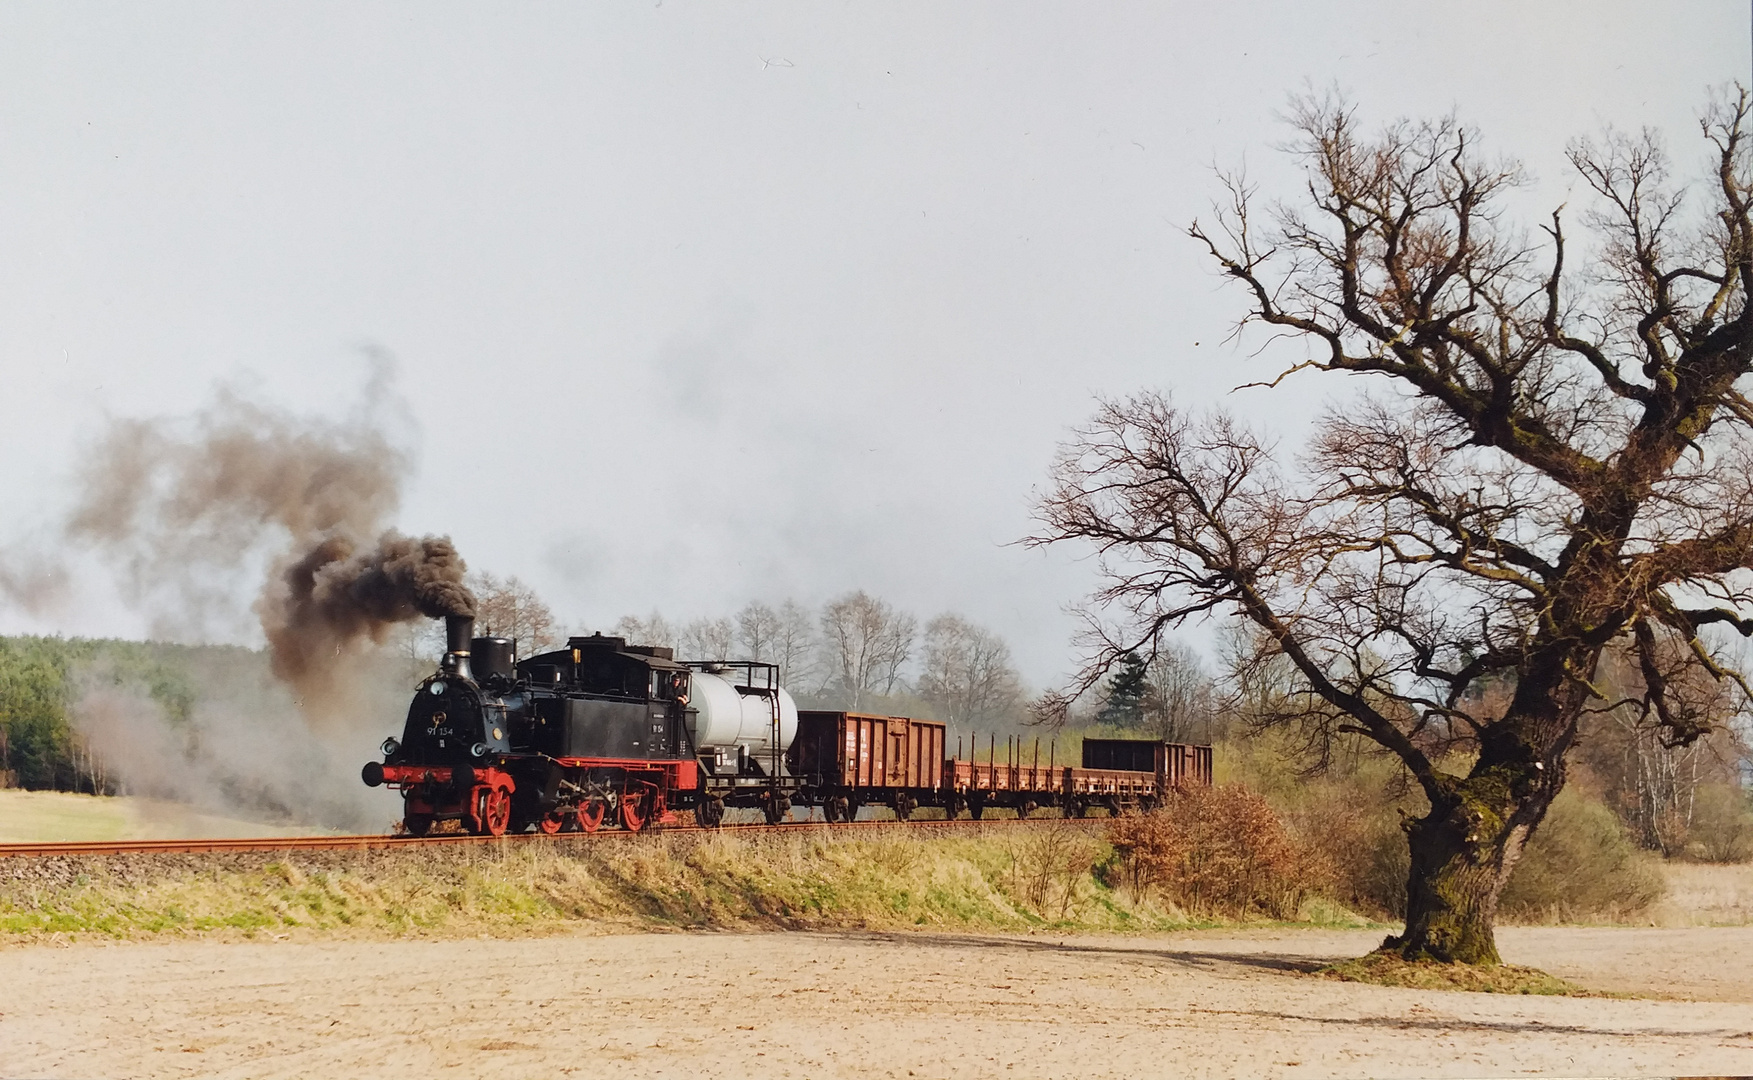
600,731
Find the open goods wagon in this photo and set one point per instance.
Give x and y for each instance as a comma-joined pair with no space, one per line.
847,760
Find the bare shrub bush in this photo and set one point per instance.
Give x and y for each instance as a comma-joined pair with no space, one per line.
1050,865
1221,850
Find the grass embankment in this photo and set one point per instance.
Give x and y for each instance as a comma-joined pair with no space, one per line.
992,881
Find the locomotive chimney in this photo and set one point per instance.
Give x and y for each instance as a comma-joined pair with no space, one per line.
458,629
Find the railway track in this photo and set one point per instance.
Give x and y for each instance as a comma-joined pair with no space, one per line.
363,843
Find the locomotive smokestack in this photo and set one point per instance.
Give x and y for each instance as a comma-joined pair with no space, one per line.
458,629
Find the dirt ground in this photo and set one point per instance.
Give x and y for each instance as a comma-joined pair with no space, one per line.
825,1005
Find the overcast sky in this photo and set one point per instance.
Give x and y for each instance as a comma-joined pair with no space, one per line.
694,304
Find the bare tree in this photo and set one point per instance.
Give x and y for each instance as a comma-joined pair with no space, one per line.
758,627
1558,463
781,636
420,642
509,608
708,639
966,671
1180,700
655,630
866,643
1652,783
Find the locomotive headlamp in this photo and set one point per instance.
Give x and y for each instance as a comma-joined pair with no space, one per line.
389,747
436,689
479,749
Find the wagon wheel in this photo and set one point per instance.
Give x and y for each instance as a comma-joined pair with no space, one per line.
417,824
497,816
589,815
1025,808
831,810
709,813
903,807
552,821
633,811
976,808
776,809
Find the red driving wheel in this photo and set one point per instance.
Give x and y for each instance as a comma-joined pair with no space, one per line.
590,815
633,811
498,811
552,822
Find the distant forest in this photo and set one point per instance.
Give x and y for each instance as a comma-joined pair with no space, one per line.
40,679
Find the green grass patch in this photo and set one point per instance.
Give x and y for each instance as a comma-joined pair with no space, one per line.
1387,968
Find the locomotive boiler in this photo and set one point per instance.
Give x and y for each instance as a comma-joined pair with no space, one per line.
599,731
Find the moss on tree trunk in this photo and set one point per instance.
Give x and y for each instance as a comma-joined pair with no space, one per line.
1463,852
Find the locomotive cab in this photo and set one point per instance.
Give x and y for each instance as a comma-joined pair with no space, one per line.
606,699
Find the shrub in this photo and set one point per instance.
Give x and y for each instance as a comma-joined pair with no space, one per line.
1580,864
1219,849
1721,830
1049,866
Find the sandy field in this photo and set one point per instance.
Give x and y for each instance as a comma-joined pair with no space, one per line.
827,1005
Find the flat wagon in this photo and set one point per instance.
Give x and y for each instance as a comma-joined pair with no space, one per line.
1118,774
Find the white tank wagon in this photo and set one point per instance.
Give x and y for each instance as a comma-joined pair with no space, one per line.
730,719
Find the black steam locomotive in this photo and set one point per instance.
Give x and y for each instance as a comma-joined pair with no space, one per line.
600,731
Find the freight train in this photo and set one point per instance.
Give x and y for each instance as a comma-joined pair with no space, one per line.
602,732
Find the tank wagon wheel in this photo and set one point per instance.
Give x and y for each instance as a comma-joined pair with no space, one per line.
417,824
833,809
776,809
589,815
709,813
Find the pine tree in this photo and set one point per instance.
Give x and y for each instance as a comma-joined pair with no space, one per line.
1127,689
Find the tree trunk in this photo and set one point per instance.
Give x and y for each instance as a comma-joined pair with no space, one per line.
1462,854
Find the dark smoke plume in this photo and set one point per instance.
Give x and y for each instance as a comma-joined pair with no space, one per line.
186,512
176,507
334,596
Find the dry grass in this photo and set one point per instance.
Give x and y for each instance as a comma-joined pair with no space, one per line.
1704,894
996,881
28,817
